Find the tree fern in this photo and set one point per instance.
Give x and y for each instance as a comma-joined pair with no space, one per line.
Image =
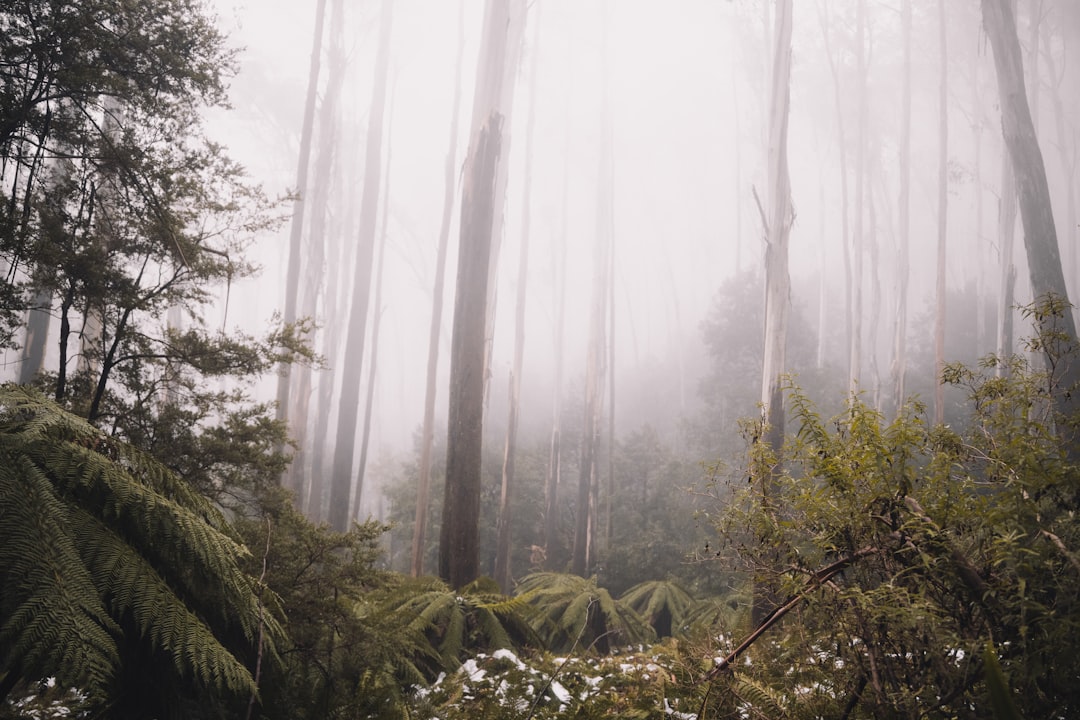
109,563
662,603
576,612
460,623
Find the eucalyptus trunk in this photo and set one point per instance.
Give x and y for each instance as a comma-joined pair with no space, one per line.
427,433
779,219
1040,234
459,540
341,487
296,230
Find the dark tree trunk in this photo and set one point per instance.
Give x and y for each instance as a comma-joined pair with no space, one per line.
459,541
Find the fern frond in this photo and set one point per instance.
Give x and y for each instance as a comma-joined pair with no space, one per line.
137,591
54,621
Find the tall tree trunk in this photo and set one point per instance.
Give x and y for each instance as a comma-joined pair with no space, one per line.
376,325
780,217
587,505
1067,153
296,230
504,548
427,433
459,541
515,29
558,284
875,291
942,218
348,408
858,239
325,268
845,236
1040,234
898,368
588,477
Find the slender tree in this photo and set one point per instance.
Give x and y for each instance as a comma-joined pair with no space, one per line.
596,352
504,549
558,283
376,324
858,239
898,368
1040,234
325,270
845,235
296,230
778,221
459,540
341,488
427,433
942,217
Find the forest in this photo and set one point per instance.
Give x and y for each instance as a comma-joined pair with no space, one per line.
539,358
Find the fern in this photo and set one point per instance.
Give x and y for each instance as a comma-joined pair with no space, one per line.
572,607
109,562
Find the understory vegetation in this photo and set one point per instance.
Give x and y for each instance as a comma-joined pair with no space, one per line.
914,571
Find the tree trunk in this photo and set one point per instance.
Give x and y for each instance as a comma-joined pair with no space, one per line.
780,217
376,326
427,434
1040,234
858,241
1067,153
296,230
459,541
324,271
515,33
32,360
558,284
504,548
942,219
596,355
348,408
849,307
898,369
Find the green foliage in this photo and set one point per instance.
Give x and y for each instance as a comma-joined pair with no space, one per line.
115,577
956,539
342,655
664,604
576,615
475,619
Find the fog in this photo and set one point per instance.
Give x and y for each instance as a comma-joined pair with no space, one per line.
687,84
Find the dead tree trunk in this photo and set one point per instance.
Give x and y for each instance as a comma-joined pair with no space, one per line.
459,541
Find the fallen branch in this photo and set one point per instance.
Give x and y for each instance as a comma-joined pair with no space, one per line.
813,583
